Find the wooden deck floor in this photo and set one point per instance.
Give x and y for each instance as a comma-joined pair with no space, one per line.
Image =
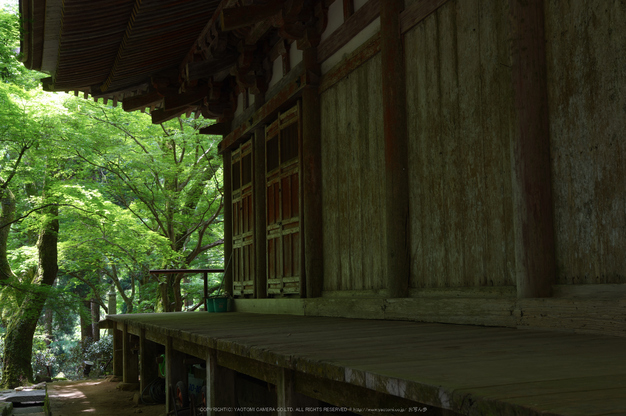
468,369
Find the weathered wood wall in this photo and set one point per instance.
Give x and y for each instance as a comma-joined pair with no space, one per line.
586,62
353,162
459,104
461,118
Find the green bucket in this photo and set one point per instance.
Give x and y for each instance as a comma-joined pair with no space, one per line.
220,304
210,307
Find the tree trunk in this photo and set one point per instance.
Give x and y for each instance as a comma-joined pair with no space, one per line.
20,331
85,323
95,318
7,214
48,319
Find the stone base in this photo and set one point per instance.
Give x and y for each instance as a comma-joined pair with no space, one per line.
128,386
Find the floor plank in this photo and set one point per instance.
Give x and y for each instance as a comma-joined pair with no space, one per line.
467,369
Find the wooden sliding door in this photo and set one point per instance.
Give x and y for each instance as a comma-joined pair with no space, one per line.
284,252
243,221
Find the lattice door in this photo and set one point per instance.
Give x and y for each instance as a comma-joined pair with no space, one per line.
283,205
243,221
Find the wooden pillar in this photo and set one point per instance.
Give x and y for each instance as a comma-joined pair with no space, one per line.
312,179
220,387
396,150
148,368
174,372
131,359
290,402
211,388
118,351
228,223
260,219
286,393
535,261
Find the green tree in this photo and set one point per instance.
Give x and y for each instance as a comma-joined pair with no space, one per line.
26,117
167,176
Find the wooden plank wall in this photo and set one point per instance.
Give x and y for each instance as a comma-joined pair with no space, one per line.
352,160
587,95
459,105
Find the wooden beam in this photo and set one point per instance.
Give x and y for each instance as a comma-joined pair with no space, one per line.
311,171
342,394
258,31
161,116
283,99
417,12
396,150
535,260
210,67
139,102
238,17
187,99
353,61
217,129
350,28
253,368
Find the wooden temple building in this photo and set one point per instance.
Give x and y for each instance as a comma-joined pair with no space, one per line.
425,199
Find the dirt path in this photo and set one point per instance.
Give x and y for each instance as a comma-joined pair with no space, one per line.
96,397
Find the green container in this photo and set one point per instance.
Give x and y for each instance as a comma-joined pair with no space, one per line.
220,304
210,307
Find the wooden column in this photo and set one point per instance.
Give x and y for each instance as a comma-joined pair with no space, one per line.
396,149
118,351
131,358
228,223
260,219
532,187
211,393
220,388
174,372
312,179
148,368
286,392
290,402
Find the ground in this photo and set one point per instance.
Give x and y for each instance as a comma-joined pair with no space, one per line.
98,396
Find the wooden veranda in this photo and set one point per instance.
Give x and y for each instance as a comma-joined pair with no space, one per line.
370,365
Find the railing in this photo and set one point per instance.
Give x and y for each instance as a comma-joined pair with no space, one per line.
205,273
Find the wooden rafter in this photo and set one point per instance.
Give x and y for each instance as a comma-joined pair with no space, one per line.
161,116
219,129
238,17
141,101
211,67
174,102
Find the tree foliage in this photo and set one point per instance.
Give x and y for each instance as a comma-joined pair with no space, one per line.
91,199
